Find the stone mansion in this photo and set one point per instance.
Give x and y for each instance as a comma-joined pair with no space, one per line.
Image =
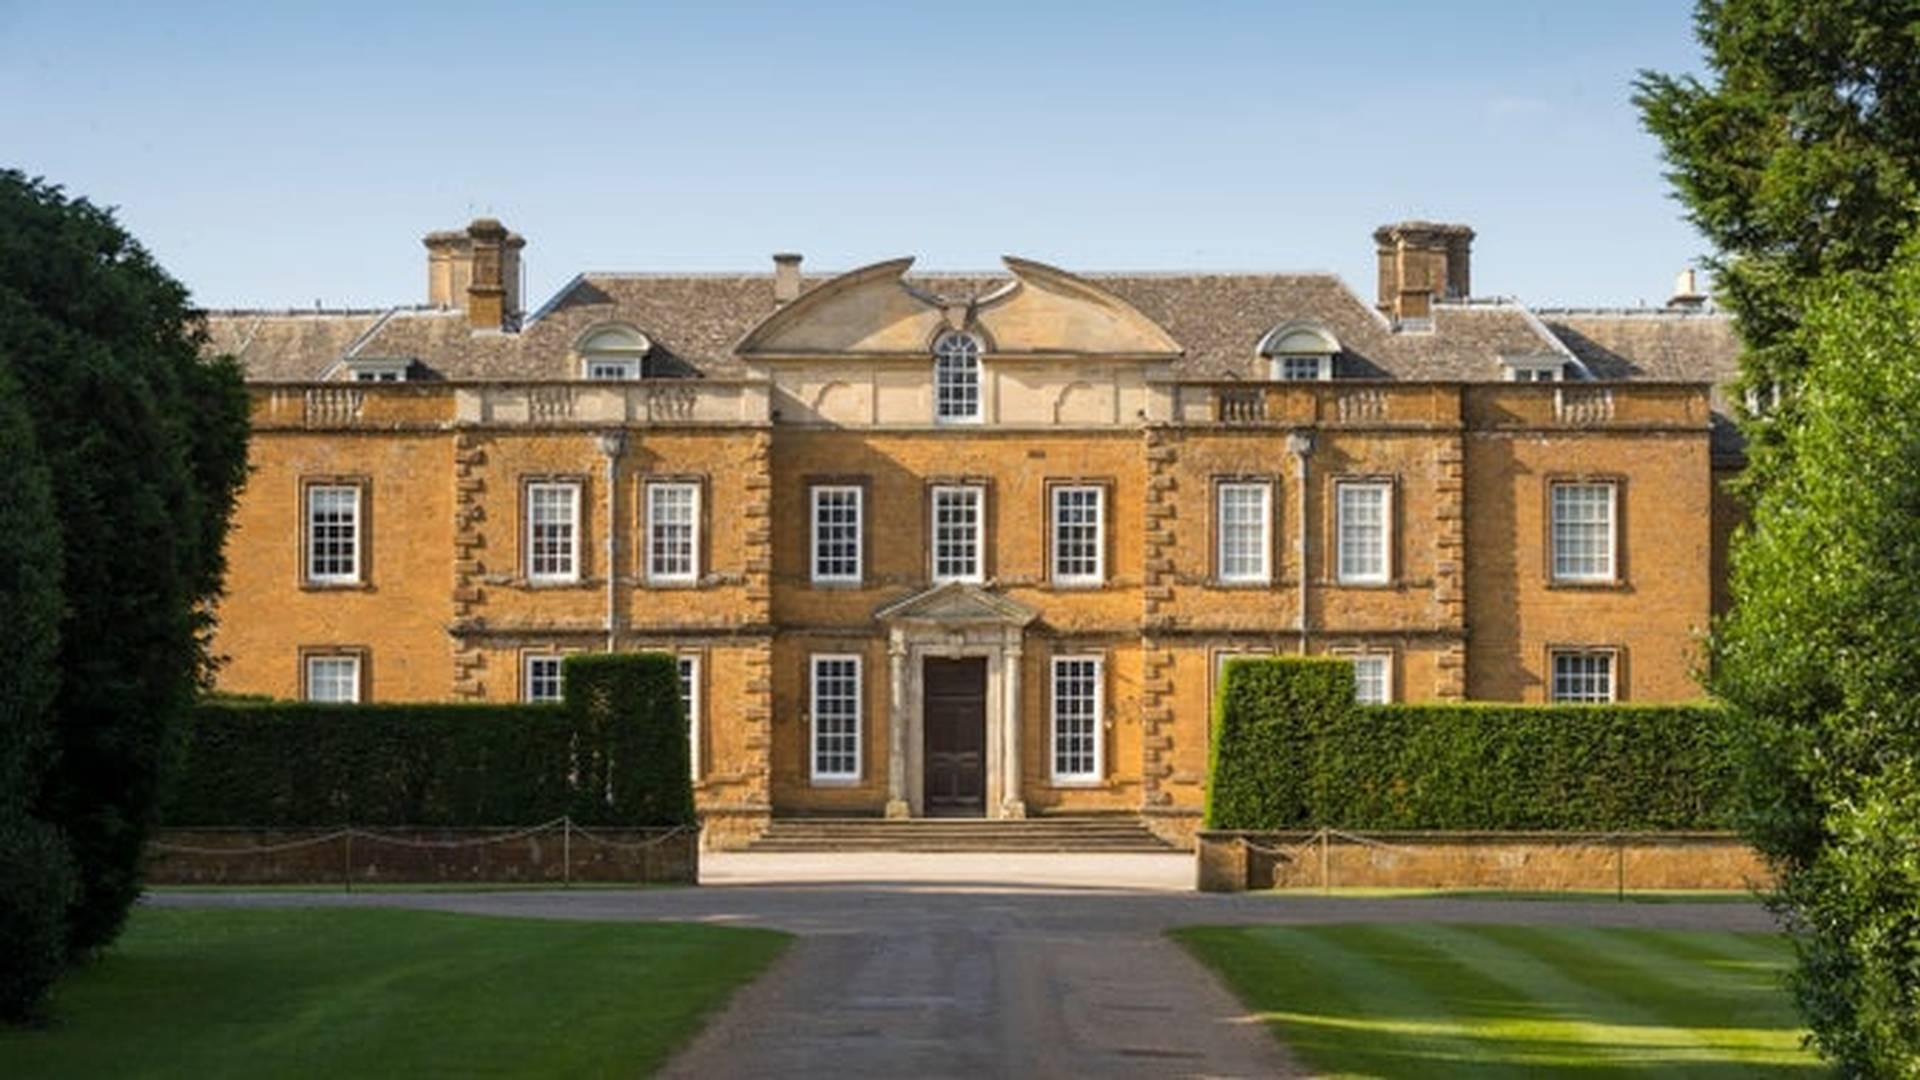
936,544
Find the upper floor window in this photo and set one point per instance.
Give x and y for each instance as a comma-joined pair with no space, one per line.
1244,532
1583,676
333,534
837,513
1583,531
1302,368
1079,541
956,379
959,533
1529,369
553,531
673,532
603,369
381,369
1299,351
613,352
1363,515
541,680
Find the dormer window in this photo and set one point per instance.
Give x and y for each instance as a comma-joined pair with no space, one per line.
1534,368
383,369
613,353
1299,351
956,379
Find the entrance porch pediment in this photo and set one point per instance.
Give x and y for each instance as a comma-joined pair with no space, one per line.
957,603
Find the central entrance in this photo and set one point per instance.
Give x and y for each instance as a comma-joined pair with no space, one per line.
955,722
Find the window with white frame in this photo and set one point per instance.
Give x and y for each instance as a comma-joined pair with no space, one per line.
1363,512
1583,675
673,532
1302,368
1372,678
837,514
1583,531
333,678
541,680
835,695
1076,696
333,534
1535,370
383,369
1079,541
553,531
603,369
956,379
1244,532
959,533
689,665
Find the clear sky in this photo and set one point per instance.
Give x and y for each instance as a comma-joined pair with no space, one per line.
275,154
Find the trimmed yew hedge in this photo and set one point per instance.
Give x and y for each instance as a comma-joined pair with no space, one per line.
615,753
1292,750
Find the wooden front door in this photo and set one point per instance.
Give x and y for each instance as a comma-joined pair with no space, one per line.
954,714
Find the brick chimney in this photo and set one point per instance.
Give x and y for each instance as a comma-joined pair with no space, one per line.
786,278
476,270
1421,263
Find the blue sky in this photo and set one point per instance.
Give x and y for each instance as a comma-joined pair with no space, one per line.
274,154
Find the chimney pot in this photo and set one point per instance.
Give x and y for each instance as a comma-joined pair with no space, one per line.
1686,292
786,278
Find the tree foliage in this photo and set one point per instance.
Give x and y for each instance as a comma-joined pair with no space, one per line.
145,446
1800,158
1820,656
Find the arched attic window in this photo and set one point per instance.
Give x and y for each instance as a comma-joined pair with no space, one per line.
613,352
1299,351
956,379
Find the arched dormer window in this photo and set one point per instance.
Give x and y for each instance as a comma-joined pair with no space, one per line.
956,379
1299,351
613,352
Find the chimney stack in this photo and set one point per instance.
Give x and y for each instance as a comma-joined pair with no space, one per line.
1422,263
786,278
1686,292
476,270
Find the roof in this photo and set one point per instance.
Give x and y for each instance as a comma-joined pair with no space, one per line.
695,320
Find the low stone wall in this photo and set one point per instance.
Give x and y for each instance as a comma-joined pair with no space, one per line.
553,854
1234,861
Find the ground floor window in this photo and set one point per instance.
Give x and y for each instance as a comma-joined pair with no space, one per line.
541,681
333,678
1583,675
1076,718
689,665
836,704
1373,679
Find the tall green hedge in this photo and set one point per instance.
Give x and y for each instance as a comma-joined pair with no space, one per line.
614,754
1292,750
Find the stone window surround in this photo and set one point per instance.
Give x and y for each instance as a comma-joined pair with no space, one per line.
701,521
363,668
362,529
1274,489
1620,581
582,531
863,484
1386,652
862,716
1105,485
1620,666
1066,650
986,531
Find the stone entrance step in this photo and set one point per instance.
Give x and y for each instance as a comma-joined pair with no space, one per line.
1041,834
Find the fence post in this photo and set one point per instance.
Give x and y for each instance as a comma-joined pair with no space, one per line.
566,851
346,864
1326,862
1620,868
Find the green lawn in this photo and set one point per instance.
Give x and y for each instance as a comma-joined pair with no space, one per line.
317,992
1432,1000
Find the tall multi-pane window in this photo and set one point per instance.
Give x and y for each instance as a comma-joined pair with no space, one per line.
1076,717
1373,679
333,678
333,534
1363,513
689,665
836,717
1243,532
1583,675
837,513
541,679
956,379
1583,531
959,533
673,532
553,532
1079,546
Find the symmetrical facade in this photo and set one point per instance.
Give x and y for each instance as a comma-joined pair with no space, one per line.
942,544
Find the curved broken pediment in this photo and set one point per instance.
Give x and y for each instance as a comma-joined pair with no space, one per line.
876,312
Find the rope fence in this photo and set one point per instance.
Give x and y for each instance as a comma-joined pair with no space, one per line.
685,836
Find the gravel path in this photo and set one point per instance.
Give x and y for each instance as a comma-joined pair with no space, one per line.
929,966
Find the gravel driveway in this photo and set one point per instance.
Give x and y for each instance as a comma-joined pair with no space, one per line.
925,966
